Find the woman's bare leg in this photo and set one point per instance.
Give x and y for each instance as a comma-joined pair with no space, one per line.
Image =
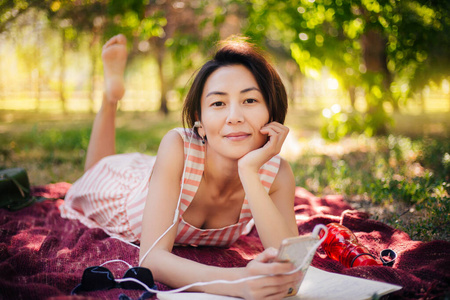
102,142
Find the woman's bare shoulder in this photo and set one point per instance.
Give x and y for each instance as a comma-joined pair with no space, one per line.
285,177
172,141
170,155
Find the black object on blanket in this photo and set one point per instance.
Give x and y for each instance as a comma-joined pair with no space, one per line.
14,189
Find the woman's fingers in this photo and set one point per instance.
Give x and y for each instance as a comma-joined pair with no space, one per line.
272,287
269,268
277,134
253,160
283,285
267,255
275,129
277,283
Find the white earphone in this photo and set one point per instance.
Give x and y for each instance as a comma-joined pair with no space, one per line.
197,124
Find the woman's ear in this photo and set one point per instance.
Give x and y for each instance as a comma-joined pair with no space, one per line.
201,131
198,126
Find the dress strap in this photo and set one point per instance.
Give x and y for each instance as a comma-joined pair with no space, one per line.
194,152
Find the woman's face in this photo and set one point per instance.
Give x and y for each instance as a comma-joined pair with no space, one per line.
233,112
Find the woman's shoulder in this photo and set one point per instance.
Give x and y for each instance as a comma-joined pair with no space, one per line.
285,176
182,140
190,138
185,133
175,135
285,167
170,143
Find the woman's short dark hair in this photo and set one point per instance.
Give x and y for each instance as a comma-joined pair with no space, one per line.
238,51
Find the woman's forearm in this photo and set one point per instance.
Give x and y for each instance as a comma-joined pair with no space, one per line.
273,280
271,223
176,272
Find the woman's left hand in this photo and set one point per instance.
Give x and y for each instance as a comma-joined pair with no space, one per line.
253,160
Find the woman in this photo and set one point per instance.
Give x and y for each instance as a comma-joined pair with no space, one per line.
227,164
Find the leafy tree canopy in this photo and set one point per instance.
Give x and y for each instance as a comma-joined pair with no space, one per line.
390,48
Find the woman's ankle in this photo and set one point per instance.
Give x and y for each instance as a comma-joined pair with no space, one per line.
108,106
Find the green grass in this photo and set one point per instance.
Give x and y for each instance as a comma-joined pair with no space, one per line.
401,179
52,147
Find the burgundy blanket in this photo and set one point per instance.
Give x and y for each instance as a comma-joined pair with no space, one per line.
43,256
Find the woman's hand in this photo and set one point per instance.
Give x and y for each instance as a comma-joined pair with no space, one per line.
253,160
275,286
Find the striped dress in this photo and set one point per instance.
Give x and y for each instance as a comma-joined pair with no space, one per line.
111,195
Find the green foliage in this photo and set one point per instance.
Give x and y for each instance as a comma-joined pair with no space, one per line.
390,172
131,18
391,49
342,124
427,196
435,154
10,10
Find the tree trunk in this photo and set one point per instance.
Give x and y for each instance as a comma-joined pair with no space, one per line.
423,107
93,54
37,75
374,54
36,72
163,86
375,59
37,88
62,70
2,85
352,95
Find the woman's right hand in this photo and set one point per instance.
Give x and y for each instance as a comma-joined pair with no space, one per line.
270,287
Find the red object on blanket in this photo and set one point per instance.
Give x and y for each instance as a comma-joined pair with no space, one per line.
342,245
43,256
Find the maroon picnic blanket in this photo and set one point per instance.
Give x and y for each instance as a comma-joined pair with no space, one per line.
43,256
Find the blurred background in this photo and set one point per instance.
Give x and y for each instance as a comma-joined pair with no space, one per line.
368,84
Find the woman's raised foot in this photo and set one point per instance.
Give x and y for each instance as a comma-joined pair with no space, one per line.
114,57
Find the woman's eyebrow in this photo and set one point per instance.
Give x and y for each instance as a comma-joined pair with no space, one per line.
250,89
215,93
224,93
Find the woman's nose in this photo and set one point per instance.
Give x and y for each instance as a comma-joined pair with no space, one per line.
235,114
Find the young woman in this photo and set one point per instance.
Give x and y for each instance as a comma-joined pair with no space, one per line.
207,182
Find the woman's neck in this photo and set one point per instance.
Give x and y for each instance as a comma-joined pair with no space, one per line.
221,173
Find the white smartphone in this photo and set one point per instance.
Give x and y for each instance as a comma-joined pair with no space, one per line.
299,251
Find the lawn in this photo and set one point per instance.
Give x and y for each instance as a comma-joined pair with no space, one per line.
401,179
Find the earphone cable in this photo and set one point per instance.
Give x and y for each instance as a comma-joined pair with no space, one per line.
175,218
311,251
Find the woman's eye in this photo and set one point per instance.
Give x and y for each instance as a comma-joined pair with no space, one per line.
217,104
250,101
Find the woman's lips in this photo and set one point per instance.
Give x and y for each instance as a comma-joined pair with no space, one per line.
237,136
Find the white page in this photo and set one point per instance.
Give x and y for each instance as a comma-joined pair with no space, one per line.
320,284
317,285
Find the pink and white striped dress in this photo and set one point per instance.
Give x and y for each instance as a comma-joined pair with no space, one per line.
112,194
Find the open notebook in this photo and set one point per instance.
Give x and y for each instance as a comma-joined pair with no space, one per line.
317,285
